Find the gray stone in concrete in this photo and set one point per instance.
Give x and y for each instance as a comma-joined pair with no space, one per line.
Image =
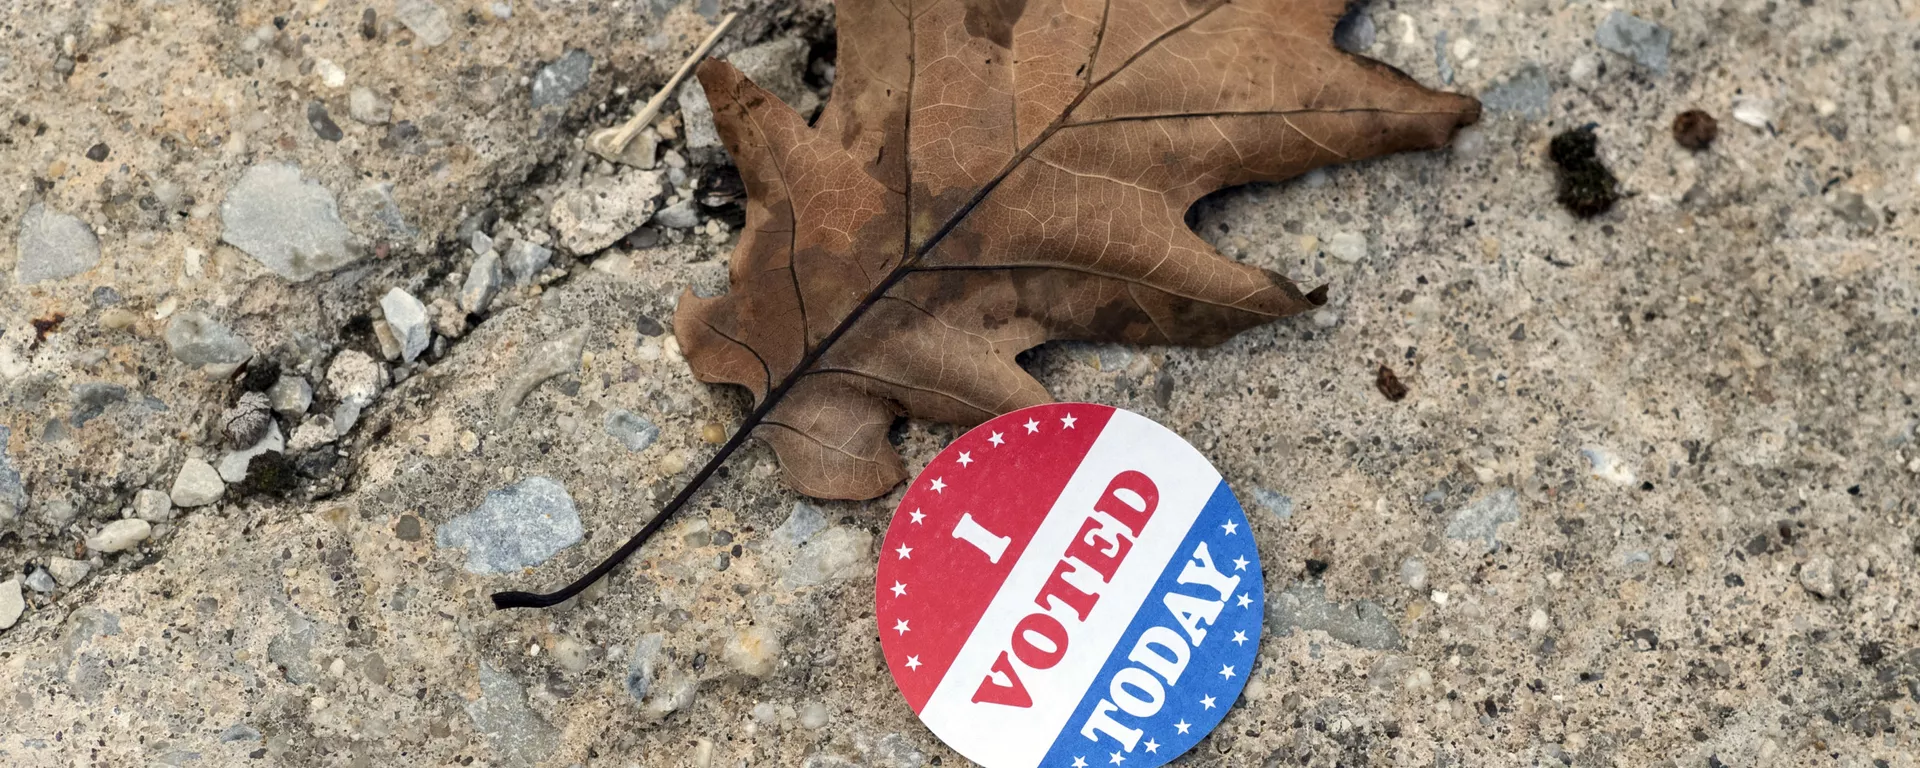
53,246
291,225
516,527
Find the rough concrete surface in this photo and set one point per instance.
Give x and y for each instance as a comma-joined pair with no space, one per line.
1653,497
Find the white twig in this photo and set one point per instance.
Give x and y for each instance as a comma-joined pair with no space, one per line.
611,143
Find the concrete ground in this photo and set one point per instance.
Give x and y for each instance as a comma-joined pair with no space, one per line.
1652,498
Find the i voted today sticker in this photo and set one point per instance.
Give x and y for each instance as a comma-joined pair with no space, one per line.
1070,585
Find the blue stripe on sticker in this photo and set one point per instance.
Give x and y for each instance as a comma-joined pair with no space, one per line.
1184,659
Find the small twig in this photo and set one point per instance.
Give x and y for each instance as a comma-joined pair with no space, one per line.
611,143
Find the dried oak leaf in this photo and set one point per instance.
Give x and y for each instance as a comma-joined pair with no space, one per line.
993,174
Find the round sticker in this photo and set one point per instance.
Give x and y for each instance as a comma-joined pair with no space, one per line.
1069,585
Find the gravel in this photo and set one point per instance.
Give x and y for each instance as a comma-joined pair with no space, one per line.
199,340
427,20
407,318
482,283
604,209
526,261
290,396
1642,41
516,527
559,80
1480,521
53,246
322,123
292,226
41,581
365,106
1527,94
197,485
1816,576
1349,247
68,572
12,603
634,432
152,506
120,535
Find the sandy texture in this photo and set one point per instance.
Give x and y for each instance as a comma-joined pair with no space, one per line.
1652,498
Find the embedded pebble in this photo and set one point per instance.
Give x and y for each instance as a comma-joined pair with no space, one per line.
1816,576
640,665
40,581
331,75
1606,465
1481,520
322,123
365,106
355,377
515,527
680,215
1644,42
552,358
13,492
560,79
53,246
1526,94
1355,33
635,432
120,535
290,396
407,319
754,651
604,209
427,20
68,572
92,398
197,485
291,225
198,340
483,281
1754,112
1413,572
1347,246
526,261
12,603
813,716
517,733
1275,503
152,506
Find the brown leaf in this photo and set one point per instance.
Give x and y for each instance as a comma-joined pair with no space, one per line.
993,174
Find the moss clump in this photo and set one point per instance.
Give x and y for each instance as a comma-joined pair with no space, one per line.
269,474
1587,188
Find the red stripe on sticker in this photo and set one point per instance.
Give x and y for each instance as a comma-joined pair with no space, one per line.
962,526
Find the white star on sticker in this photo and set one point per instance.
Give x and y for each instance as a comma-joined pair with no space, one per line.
1153,746
913,662
1032,427
905,551
1244,600
1230,528
899,589
1079,762
1117,759
917,516
1225,671
1239,563
964,459
1066,421
996,439
1182,726
901,627
1239,638
939,485
1206,702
